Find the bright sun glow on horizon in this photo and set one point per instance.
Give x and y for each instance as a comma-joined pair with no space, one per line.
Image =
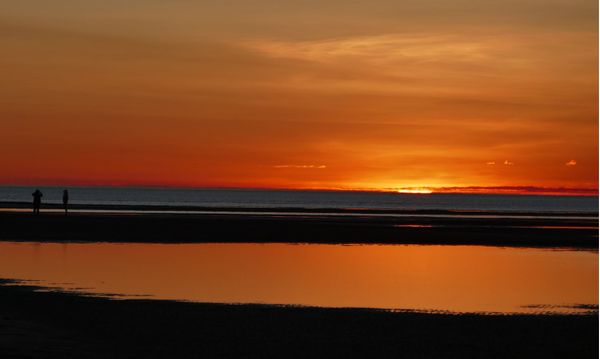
415,190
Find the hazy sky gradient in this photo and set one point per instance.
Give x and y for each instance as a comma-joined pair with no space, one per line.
302,94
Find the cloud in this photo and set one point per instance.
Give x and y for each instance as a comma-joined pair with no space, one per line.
520,190
491,163
571,163
301,166
508,163
378,49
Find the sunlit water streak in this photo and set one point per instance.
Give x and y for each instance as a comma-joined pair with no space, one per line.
398,277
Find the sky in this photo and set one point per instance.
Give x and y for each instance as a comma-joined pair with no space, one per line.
330,94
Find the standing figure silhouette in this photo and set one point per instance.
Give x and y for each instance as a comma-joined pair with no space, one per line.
66,201
37,201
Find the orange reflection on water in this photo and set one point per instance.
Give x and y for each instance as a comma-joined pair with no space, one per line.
457,278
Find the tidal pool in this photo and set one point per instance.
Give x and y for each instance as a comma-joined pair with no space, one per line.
424,278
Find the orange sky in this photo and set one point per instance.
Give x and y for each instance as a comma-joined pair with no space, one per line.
307,94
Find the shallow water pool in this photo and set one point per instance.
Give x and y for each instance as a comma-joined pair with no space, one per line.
423,278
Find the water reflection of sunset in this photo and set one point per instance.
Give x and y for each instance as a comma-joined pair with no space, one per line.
458,278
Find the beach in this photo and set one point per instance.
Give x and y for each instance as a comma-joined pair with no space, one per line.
226,225
58,325
47,322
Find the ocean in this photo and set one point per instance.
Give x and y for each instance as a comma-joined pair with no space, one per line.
301,199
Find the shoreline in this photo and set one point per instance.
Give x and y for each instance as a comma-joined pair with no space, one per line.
38,286
159,208
63,325
571,232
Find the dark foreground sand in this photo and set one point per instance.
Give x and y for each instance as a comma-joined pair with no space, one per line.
56,325
227,228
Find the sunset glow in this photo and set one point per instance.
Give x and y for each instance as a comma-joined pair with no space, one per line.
263,94
415,190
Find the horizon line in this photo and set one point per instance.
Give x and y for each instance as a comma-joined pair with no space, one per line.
417,190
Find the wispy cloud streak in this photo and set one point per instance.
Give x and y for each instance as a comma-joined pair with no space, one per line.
301,166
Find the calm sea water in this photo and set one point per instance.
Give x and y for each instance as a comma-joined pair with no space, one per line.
305,199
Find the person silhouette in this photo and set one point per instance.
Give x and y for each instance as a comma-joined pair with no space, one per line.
37,201
66,201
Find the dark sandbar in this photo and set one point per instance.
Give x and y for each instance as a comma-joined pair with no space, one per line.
58,325
218,227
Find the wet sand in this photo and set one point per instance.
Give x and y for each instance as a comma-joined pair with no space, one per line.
27,206
58,325
529,231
